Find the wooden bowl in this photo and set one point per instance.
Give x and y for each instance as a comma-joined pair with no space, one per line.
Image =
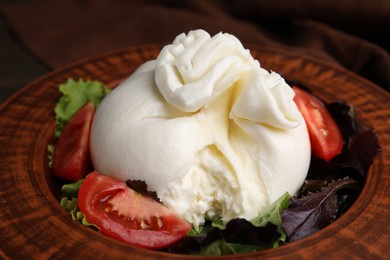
34,225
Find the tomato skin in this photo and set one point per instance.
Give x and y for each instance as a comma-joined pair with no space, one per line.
325,136
128,216
71,154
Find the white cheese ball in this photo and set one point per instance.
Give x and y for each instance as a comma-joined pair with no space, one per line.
207,128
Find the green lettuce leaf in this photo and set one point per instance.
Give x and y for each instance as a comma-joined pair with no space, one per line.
71,190
196,231
50,153
74,95
273,215
69,203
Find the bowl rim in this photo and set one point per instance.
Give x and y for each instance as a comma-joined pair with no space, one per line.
376,180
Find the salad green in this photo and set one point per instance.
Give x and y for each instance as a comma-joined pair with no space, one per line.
329,190
69,203
74,95
215,238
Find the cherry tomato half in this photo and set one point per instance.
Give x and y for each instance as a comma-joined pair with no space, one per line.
128,216
71,154
325,135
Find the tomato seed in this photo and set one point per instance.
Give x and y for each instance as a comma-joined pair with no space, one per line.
144,225
159,223
324,132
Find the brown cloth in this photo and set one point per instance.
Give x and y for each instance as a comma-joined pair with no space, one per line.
61,31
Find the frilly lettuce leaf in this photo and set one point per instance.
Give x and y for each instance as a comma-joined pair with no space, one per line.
50,153
69,203
71,190
74,95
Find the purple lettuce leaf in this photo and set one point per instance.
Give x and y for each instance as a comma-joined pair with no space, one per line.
310,213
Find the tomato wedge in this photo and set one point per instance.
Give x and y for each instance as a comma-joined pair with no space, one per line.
325,136
71,154
128,216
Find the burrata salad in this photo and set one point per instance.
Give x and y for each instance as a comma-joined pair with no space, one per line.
203,151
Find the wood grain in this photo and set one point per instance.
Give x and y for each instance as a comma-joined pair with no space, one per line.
33,224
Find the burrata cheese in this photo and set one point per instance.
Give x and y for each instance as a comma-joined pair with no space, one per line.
207,128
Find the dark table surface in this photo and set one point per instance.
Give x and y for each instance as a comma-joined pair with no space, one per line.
18,66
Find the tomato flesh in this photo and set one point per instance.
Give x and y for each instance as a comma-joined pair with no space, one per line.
71,154
128,216
325,136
